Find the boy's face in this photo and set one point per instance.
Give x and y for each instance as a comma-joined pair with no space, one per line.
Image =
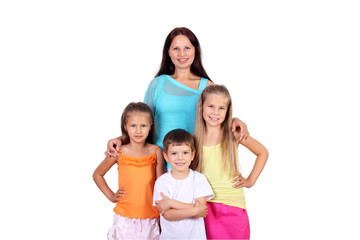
179,157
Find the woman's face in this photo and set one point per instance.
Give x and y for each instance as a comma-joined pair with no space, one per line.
181,52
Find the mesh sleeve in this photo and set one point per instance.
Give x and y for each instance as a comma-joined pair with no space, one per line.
150,94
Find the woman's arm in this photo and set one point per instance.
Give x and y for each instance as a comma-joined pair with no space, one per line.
160,166
111,150
99,179
239,128
261,158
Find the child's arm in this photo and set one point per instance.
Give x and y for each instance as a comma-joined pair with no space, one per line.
261,157
99,179
198,210
160,168
166,203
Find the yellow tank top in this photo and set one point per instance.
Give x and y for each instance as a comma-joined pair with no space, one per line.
219,180
137,175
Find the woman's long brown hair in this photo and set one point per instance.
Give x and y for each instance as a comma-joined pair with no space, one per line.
168,67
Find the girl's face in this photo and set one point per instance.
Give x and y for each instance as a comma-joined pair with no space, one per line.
138,126
182,52
215,108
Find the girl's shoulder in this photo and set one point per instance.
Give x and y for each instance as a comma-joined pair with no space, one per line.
148,149
153,147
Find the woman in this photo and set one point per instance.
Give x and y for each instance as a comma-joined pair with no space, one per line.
173,93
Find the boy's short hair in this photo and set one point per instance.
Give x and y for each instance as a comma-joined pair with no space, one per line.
178,137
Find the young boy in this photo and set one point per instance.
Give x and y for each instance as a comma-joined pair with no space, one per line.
181,193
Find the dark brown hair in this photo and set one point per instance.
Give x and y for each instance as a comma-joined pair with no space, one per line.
136,107
178,137
168,67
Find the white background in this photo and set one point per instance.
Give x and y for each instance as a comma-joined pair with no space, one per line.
68,68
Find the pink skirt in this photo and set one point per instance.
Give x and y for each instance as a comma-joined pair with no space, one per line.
226,222
134,228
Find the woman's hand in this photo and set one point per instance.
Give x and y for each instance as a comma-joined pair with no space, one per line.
116,197
111,150
239,128
240,182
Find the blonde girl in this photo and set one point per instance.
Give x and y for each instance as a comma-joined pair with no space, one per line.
218,160
139,164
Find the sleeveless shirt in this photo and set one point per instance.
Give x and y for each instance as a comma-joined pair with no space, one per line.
137,175
220,181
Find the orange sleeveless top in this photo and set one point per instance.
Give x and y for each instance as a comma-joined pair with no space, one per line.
137,175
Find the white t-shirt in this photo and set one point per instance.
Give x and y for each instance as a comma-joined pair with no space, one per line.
183,190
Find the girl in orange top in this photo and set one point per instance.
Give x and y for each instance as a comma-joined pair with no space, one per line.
139,164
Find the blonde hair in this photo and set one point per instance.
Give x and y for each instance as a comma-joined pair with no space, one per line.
228,144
